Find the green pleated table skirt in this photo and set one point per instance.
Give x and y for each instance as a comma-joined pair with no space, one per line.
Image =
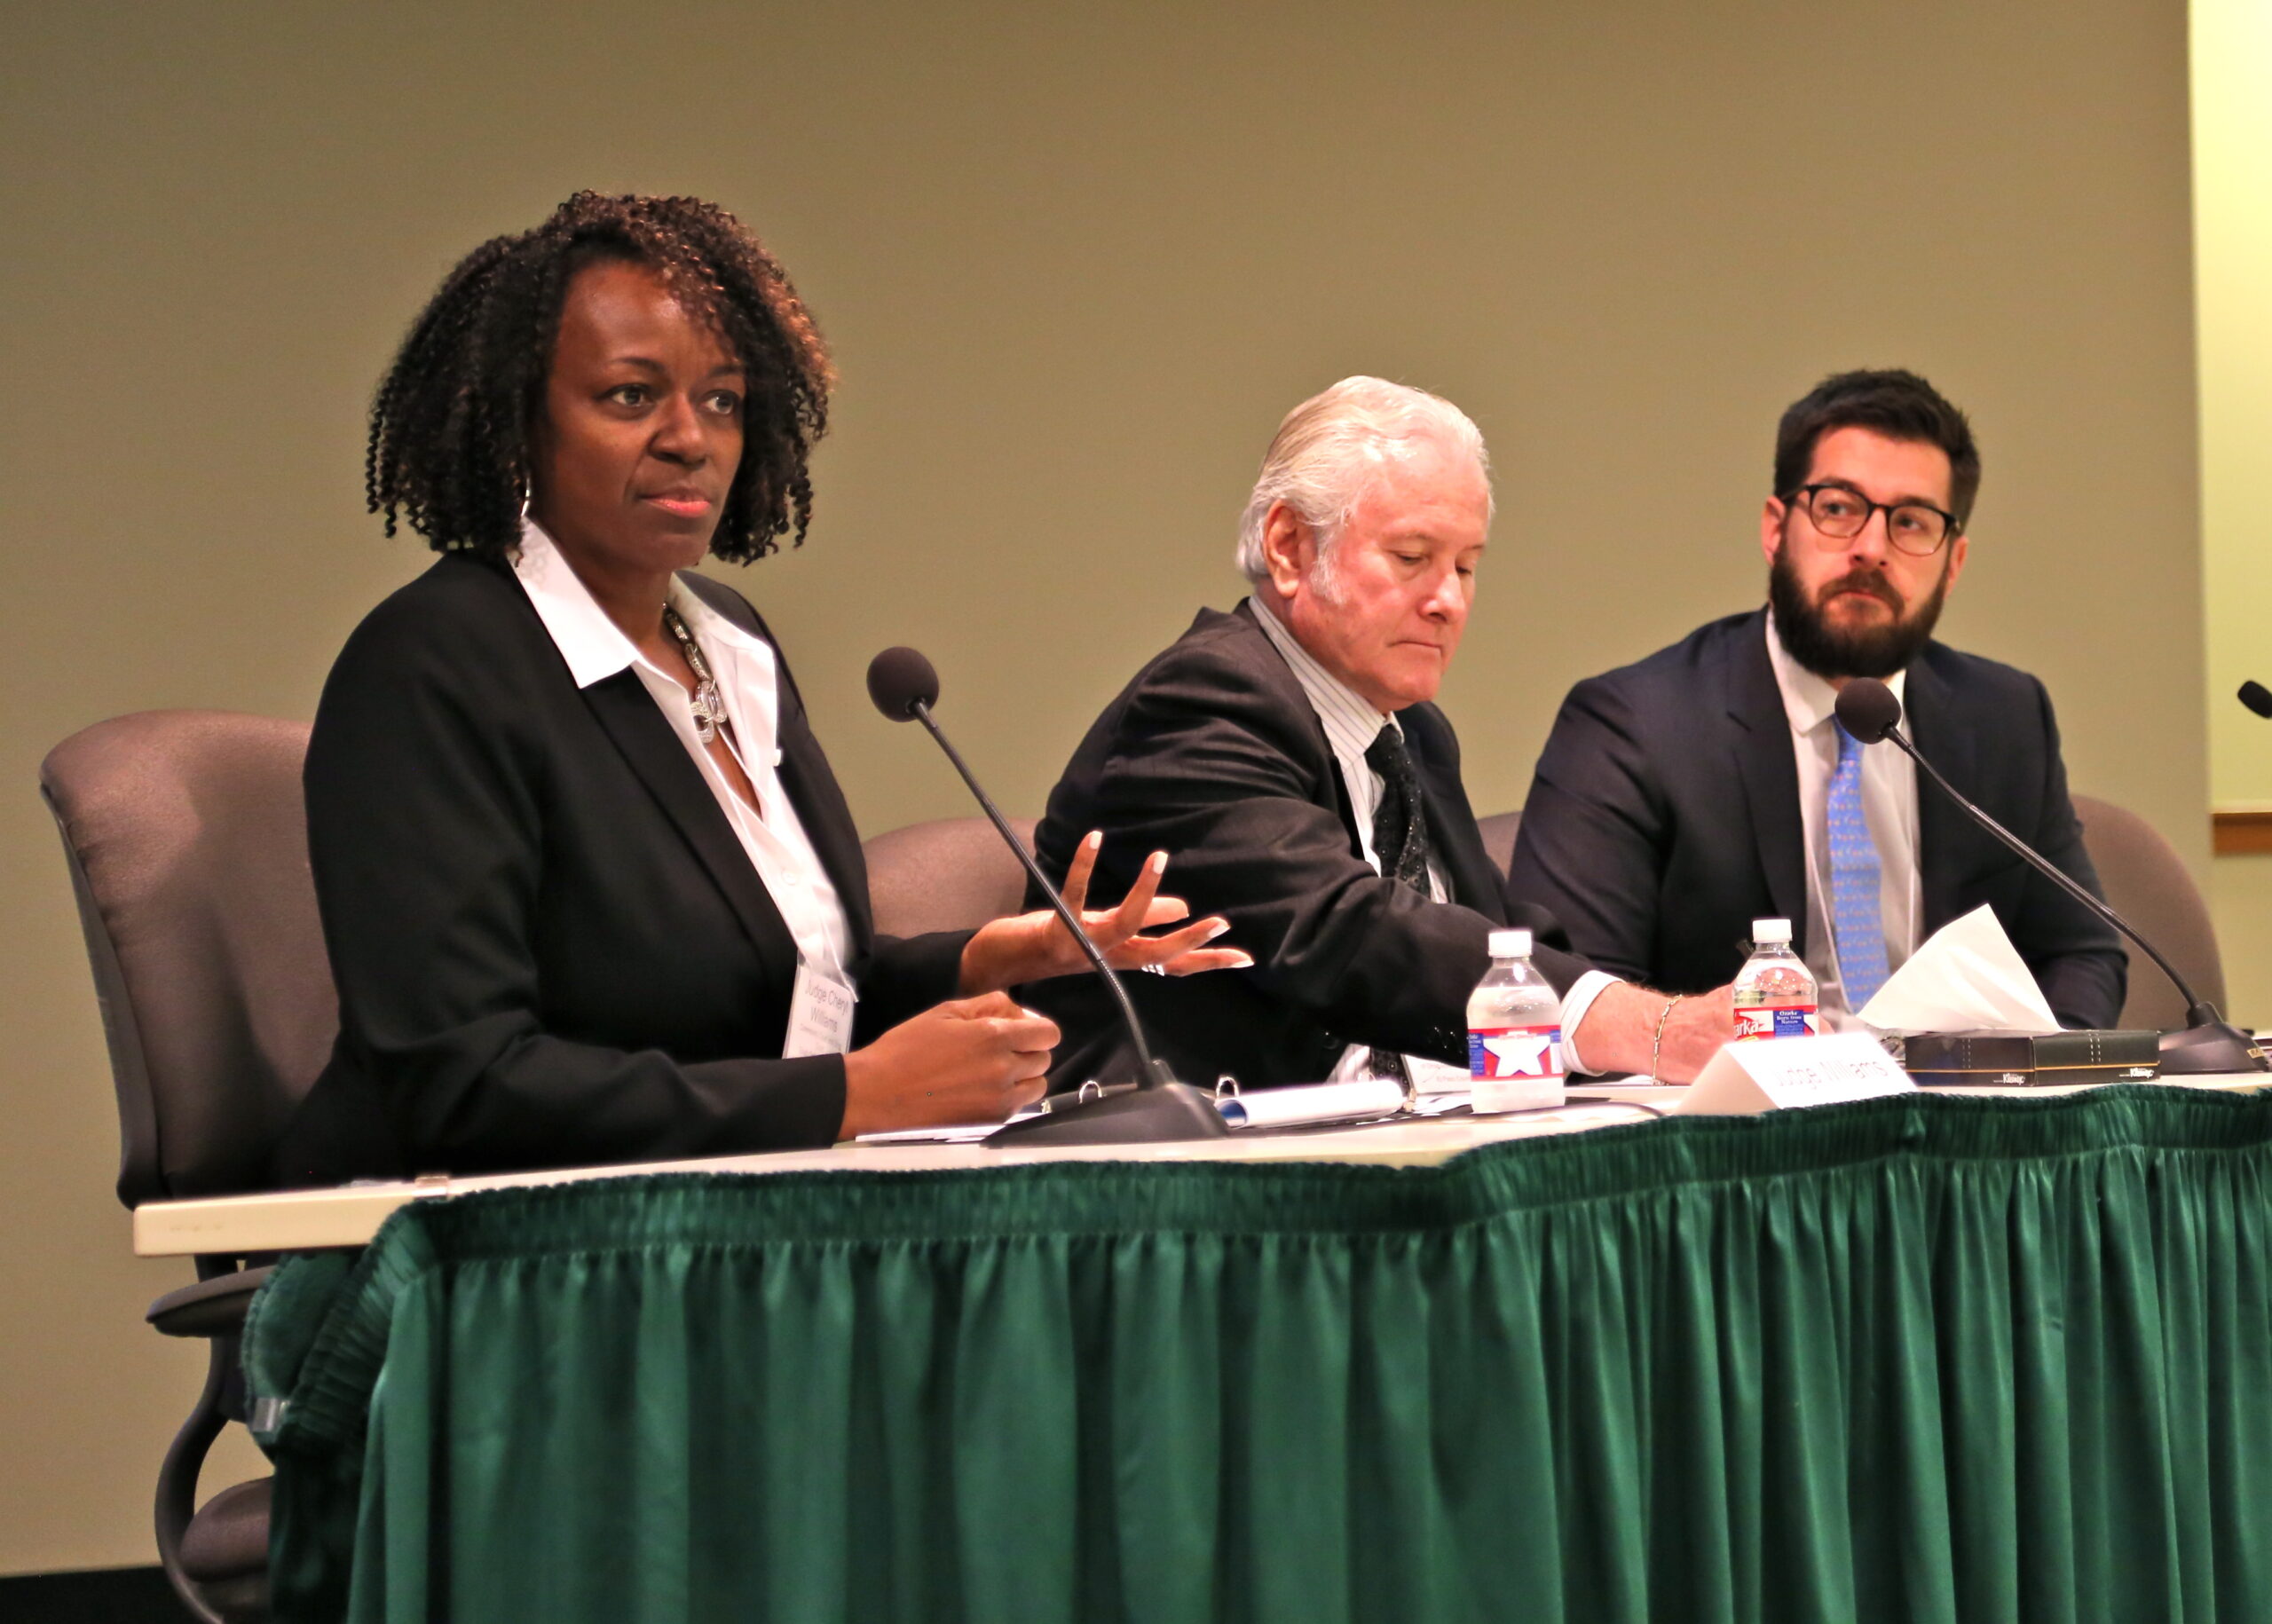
1912,1359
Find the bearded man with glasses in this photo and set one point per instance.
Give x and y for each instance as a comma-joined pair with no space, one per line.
1709,785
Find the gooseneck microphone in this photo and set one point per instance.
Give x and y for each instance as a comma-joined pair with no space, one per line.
904,686
2207,1043
2257,698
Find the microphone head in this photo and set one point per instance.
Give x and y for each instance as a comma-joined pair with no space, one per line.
2257,698
1867,709
901,679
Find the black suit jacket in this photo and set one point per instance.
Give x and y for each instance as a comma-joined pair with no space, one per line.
550,947
1215,755
1664,817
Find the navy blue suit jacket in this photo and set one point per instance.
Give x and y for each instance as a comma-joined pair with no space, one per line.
1664,817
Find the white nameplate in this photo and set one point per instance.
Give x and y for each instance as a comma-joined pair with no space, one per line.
1744,1079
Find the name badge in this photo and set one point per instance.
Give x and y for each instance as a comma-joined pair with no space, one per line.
820,1013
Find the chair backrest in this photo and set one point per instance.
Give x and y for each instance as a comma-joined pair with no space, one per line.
188,848
2148,884
1499,837
952,873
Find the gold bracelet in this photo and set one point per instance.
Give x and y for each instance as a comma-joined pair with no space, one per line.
1657,1044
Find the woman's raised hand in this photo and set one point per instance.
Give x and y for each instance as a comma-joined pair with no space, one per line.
1113,930
1032,946
969,1060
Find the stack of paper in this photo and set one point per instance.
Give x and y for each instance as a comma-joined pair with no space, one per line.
1968,978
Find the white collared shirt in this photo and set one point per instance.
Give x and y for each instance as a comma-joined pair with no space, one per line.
1351,726
745,669
1351,723
1889,807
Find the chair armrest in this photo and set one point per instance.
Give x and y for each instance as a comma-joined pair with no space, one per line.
212,1307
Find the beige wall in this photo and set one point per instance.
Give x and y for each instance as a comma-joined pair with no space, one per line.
1075,264
2232,156
2232,147
2241,897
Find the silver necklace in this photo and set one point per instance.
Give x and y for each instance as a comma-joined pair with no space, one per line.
709,705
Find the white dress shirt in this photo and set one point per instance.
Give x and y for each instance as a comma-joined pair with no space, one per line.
745,669
1889,807
1351,723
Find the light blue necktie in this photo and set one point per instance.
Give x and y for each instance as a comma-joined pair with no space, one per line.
1854,880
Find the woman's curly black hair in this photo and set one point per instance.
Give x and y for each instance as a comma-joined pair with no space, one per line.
449,447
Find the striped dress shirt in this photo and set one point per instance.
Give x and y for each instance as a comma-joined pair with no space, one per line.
1351,724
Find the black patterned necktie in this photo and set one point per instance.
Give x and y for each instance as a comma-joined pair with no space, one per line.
1400,825
1400,842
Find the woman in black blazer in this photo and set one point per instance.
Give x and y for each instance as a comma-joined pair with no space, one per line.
585,874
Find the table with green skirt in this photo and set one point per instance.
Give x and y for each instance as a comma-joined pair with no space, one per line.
1911,1359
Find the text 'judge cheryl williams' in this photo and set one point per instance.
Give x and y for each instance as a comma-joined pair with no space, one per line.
1290,756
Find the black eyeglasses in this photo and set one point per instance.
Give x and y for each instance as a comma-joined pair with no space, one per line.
1842,513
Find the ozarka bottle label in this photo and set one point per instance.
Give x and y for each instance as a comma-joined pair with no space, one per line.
1775,1020
1514,1053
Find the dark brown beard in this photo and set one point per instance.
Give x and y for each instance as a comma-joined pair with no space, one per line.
1832,653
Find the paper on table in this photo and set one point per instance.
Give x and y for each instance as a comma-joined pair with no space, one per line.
1967,978
1285,1107
1434,1077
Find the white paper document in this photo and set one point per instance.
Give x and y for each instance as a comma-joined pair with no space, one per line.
959,1133
1432,1077
1968,977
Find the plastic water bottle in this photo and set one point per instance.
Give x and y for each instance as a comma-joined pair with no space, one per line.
1775,995
1514,1032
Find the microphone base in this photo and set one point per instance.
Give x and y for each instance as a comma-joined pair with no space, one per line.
2211,1047
1161,1114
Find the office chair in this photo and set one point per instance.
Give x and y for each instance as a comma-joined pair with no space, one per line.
1499,831
188,852
2148,884
952,873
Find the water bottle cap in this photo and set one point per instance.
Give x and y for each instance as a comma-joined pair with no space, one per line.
1770,933
1511,944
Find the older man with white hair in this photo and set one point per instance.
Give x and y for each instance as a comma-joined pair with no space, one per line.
1288,757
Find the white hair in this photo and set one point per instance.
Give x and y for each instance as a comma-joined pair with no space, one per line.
1330,447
